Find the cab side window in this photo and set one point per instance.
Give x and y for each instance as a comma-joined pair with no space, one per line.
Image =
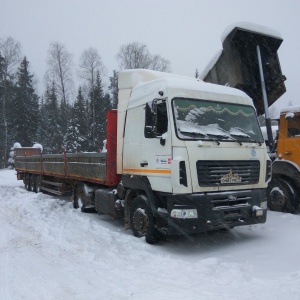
156,119
294,127
162,119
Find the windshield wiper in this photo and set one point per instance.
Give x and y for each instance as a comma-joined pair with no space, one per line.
246,136
226,136
206,136
215,140
186,132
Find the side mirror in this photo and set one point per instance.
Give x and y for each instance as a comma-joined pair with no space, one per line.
162,141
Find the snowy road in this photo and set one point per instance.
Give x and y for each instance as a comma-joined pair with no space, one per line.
48,250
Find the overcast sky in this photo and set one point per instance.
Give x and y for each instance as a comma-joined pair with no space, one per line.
187,32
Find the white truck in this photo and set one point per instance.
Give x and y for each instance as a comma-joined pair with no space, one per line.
183,157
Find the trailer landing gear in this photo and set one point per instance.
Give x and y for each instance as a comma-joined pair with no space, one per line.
82,198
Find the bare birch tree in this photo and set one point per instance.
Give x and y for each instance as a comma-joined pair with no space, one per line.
136,55
90,63
11,52
60,70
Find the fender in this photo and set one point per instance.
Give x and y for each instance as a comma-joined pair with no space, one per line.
141,183
287,169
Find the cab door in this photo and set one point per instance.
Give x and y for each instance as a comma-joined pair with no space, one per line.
156,146
132,141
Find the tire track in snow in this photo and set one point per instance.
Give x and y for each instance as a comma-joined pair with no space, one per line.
4,265
6,269
23,245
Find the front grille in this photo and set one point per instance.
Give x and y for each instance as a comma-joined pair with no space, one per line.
239,199
220,172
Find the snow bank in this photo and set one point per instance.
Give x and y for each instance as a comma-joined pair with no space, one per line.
48,250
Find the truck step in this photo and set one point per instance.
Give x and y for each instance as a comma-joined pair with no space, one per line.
52,191
59,184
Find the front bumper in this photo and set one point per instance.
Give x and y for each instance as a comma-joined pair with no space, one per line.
214,210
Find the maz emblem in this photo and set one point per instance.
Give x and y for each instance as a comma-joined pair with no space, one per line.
231,178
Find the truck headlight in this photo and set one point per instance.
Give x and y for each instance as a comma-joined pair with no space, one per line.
258,211
263,205
184,213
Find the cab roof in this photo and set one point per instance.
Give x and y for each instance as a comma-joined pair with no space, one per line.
147,85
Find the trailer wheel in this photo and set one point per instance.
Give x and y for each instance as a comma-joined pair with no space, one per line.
282,196
27,182
38,183
32,183
142,221
82,199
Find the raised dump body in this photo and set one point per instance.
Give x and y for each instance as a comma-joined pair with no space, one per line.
237,64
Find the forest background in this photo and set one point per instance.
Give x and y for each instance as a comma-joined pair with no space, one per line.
66,116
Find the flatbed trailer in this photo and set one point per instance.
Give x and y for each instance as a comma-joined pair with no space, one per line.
60,173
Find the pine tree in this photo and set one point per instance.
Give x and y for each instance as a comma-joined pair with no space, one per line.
6,134
76,138
54,137
72,135
99,105
114,89
10,52
2,114
42,127
25,108
80,116
107,102
65,114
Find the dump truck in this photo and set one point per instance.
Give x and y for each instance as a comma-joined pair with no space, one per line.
284,188
249,61
182,157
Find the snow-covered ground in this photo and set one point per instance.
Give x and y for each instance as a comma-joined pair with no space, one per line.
48,250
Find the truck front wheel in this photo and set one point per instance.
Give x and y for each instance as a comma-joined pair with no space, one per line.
142,221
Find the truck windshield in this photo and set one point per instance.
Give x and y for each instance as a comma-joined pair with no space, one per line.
209,120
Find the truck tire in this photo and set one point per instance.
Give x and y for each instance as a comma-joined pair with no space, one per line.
142,221
82,199
32,183
294,202
38,183
282,196
27,182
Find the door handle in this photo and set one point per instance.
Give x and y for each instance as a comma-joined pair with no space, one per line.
144,164
288,153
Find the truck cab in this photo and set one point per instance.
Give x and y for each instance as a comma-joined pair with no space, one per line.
283,190
193,150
